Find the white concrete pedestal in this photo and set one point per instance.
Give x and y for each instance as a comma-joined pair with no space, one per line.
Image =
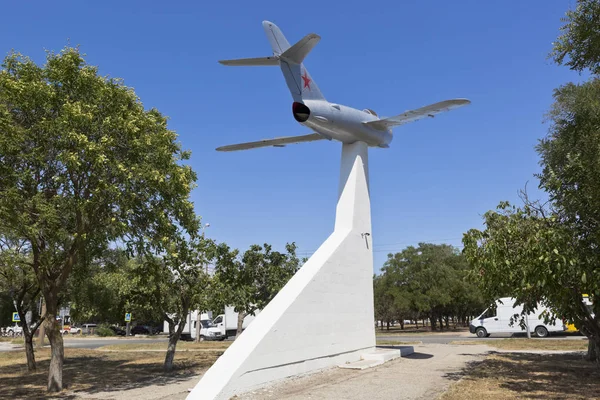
323,317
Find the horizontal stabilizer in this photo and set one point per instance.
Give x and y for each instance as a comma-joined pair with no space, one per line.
277,142
300,50
420,113
251,62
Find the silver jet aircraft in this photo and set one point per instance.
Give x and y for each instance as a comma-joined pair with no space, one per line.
328,120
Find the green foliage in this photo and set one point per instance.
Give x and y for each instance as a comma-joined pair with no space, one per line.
103,330
249,283
16,276
83,165
570,158
95,294
549,252
428,280
580,38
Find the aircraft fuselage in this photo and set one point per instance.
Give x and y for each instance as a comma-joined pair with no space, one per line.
339,122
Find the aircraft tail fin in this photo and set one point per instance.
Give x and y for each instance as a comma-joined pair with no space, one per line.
278,42
300,50
299,82
290,59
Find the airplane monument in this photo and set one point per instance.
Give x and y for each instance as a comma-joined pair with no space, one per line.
333,290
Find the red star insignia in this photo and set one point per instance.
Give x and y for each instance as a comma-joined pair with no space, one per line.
306,80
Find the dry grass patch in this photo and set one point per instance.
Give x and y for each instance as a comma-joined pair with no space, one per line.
527,376
529,344
97,371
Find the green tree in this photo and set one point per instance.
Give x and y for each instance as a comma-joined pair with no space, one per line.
92,293
164,287
17,279
549,252
578,46
428,280
83,164
383,298
532,256
425,274
185,290
249,283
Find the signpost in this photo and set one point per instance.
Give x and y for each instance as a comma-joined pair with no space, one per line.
128,320
15,317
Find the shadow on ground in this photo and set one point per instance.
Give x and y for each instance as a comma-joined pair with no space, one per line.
419,356
532,376
101,373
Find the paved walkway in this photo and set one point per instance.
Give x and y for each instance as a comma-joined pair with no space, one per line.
423,375
5,346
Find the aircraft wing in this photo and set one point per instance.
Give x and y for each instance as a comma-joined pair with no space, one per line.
420,113
277,142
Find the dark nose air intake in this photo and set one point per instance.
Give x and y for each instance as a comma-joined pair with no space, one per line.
301,112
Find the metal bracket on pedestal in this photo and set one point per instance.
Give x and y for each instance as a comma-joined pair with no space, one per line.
366,235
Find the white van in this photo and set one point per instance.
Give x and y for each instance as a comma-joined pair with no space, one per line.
496,319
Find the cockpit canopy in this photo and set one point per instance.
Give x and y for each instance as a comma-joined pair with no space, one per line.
369,111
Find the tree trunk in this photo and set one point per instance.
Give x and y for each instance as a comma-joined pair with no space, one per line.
28,338
387,324
42,330
402,324
441,320
432,319
240,324
173,339
417,323
446,318
593,353
198,327
57,351
29,352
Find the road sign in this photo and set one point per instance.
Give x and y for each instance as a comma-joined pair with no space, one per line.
128,317
16,317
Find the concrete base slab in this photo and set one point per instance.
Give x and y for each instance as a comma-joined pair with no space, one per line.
362,364
378,357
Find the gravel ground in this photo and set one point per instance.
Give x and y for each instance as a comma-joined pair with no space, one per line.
423,375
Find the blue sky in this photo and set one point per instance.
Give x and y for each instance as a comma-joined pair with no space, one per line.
434,183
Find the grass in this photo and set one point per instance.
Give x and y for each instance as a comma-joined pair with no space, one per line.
96,371
529,344
526,376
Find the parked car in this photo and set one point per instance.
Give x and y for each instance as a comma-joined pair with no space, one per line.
141,330
73,330
14,330
117,331
88,329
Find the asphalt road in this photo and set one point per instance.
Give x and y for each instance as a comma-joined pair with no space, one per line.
445,339
95,343
425,339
